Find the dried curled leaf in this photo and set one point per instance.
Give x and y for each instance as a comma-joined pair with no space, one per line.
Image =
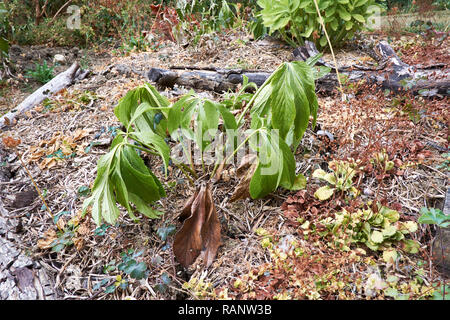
47,240
245,171
200,231
10,142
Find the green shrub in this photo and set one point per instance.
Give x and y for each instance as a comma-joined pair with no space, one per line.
297,21
280,111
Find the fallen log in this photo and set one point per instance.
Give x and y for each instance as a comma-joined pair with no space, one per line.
391,73
59,82
218,80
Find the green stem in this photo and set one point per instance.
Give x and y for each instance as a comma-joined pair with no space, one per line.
192,172
182,169
141,148
331,47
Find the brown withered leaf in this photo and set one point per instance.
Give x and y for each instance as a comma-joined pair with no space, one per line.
47,163
81,133
49,237
10,142
200,231
186,211
246,163
218,174
210,231
245,171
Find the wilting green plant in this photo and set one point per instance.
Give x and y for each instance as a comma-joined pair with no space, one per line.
280,112
297,21
340,179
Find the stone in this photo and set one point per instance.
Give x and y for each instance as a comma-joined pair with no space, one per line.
59,58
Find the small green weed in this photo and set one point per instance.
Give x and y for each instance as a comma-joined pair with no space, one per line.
42,73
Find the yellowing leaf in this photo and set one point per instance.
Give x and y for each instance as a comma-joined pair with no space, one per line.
299,182
319,174
377,237
324,193
390,256
389,231
411,226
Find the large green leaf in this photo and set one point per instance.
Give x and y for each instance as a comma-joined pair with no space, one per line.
103,190
288,99
122,177
155,142
276,165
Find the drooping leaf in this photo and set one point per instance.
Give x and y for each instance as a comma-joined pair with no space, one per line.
288,99
276,164
123,177
200,231
141,105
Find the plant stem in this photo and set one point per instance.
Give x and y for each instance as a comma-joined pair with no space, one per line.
182,169
142,149
235,151
331,48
